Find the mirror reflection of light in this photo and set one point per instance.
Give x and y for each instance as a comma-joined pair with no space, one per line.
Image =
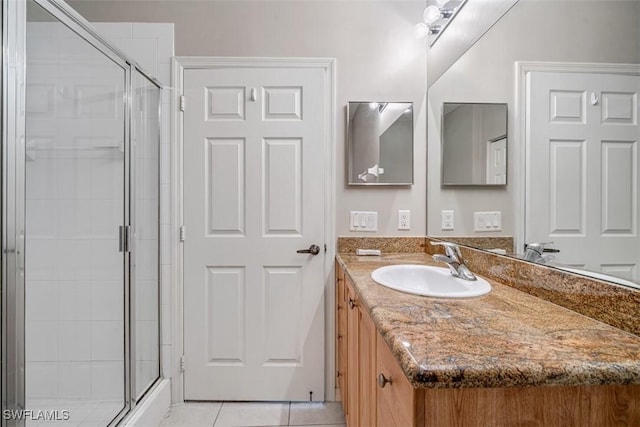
373,105
431,14
421,30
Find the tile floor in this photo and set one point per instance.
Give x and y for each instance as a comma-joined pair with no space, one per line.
82,413
241,414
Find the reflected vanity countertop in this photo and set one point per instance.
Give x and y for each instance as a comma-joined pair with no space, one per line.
506,338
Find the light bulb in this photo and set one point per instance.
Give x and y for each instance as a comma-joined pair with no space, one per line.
421,30
373,105
431,14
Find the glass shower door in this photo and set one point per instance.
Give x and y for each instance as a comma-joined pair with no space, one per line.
75,203
145,146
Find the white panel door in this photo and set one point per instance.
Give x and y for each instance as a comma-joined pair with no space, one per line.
254,194
582,177
497,161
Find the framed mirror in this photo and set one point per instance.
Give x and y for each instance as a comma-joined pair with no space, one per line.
380,143
474,144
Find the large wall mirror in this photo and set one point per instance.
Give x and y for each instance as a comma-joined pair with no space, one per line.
474,144
380,143
573,127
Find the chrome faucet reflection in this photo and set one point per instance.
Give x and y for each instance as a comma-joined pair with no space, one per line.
534,252
454,261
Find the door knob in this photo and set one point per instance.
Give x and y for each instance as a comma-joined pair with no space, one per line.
313,250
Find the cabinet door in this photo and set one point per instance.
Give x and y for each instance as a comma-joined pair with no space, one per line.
353,319
398,403
341,336
367,369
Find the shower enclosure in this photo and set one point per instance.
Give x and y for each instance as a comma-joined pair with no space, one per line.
80,222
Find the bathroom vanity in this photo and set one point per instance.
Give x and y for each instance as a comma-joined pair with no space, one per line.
506,358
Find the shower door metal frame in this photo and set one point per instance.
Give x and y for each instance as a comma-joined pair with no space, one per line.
12,261
13,74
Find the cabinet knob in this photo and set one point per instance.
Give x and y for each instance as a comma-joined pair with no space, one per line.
352,303
339,336
338,374
383,381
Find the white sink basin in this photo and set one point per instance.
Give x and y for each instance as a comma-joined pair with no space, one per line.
429,281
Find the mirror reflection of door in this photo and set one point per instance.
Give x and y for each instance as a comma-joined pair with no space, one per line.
583,159
497,161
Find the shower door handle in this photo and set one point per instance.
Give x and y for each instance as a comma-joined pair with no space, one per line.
124,233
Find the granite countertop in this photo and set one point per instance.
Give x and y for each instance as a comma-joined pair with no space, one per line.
506,338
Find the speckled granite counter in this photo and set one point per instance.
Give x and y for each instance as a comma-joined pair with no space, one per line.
504,339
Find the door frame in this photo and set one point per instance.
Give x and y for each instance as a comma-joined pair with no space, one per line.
523,70
179,64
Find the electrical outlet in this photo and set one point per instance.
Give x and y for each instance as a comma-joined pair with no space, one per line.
404,220
447,220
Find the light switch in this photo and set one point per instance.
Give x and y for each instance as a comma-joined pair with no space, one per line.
487,221
363,221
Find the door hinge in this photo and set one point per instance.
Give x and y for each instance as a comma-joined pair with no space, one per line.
182,102
182,233
182,363
125,238
325,248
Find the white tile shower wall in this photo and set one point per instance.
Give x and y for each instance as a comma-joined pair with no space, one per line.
78,294
71,103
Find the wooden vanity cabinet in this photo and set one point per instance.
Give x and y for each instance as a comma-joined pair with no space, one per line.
398,403
376,392
361,363
341,334
364,401
355,353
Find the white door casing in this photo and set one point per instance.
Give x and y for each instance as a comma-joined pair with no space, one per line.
254,193
582,158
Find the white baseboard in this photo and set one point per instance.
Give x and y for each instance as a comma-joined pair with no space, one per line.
153,408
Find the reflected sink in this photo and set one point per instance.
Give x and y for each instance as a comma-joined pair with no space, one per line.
429,281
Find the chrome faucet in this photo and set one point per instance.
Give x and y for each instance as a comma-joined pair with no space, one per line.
534,252
454,261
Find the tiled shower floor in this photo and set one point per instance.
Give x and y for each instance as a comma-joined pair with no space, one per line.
240,414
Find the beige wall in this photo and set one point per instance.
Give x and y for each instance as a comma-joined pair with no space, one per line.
378,59
533,30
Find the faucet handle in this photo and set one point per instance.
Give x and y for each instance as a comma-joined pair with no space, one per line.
538,246
451,249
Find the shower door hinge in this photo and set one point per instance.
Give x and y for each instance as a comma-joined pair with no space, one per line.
182,363
182,233
182,101
125,238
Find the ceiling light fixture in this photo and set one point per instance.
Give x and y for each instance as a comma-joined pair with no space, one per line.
436,17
